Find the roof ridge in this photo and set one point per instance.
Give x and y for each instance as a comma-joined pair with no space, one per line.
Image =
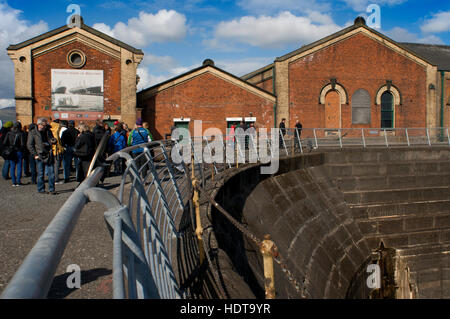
198,69
63,28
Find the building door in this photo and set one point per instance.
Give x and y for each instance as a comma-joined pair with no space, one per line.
333,110
183,126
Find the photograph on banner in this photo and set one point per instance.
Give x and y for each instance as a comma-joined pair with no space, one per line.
77,94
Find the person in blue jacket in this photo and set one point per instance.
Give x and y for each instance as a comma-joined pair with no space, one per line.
138,136
117,142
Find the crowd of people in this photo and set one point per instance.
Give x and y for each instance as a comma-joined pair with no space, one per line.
43,148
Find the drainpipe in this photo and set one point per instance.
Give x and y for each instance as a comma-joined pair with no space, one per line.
442,103
274,77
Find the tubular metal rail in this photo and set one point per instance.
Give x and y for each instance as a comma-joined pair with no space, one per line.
152,220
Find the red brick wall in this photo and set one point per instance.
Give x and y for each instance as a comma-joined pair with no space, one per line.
357,62
266,85
207,98
95,60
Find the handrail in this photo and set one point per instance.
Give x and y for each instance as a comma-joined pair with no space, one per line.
34,277
154,191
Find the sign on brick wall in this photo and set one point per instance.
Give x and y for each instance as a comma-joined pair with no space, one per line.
77,94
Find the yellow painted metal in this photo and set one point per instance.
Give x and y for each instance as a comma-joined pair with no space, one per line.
267,250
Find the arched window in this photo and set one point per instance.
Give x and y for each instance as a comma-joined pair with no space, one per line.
361,104
387,110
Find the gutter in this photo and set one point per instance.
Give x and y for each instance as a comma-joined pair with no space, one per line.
442,97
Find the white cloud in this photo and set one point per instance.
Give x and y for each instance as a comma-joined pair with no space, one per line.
403,35
13,30
361,5
244,66
275,6
274,32
164,63
164,26
439,23
7,103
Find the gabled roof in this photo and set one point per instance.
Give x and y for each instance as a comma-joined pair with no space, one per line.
260,70
359,23
65,28
208,65
436,54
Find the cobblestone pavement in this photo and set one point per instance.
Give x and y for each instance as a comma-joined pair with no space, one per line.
25,214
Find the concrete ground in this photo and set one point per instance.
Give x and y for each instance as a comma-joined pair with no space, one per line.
25,214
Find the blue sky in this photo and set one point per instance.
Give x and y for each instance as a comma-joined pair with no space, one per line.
239,35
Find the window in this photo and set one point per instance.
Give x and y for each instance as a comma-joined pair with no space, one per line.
387,110
361,107
76,59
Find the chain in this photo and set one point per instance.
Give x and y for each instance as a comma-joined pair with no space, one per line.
275,254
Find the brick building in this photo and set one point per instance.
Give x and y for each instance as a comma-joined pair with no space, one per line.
207,93
355,78
75,73
359,78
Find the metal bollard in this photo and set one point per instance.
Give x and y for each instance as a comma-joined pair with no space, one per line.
199,228
267,250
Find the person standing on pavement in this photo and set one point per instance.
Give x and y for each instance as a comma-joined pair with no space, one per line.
15,139
68,139
3,132
138,136
58,149
99,131
40,142
116,143
84,150
31,160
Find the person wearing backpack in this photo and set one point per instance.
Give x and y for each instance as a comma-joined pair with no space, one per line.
138,136
116,143
84,150
7,164
15,143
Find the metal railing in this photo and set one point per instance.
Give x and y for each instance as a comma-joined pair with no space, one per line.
152,220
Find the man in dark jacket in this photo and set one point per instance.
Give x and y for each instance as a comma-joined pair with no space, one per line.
31,160
3,132
84,150
40,141
99,131
68,139
15,140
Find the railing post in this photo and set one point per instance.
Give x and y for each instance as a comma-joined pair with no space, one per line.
386,139
407,137
428,137
315,138
363,138
267,247
340,137
299,140
448,136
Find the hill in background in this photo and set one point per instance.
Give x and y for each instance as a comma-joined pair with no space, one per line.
8,114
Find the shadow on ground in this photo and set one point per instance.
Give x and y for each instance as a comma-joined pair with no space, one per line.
59,289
